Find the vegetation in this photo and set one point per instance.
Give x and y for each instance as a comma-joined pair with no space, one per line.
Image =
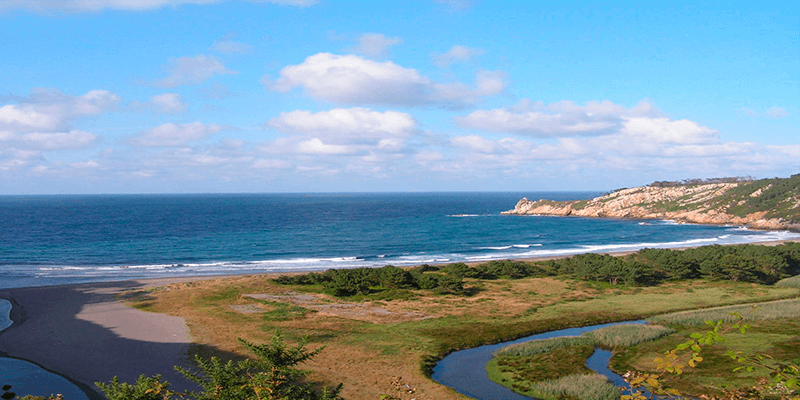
647,267
626,335
272,375
693,182
578,386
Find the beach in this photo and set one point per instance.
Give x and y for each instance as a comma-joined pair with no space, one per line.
85,334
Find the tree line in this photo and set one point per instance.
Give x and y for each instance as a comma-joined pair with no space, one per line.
740,263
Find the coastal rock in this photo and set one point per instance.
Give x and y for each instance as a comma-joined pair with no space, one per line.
710,203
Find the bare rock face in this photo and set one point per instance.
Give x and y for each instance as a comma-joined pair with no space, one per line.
694,204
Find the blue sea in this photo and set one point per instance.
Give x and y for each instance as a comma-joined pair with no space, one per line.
50,240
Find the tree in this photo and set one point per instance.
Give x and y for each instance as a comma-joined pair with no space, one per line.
272,375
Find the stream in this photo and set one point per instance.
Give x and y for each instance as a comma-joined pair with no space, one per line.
27,378
465,370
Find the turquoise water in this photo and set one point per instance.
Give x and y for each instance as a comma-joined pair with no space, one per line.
47,240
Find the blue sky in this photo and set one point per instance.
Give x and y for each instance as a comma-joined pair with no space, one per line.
176,96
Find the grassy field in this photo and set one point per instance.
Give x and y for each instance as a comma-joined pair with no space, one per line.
386,342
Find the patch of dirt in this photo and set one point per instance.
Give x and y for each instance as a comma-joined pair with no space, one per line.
356,311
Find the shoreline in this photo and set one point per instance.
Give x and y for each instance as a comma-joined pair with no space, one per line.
85,333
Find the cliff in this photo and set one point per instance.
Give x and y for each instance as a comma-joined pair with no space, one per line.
760,204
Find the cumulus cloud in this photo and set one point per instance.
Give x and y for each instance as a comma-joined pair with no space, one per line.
171,134
355,80
192,70
375,45
169,103
556,119
345,124
316,146
454,55
53,6
51,110
43,122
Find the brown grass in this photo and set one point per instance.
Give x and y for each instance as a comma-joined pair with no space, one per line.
372,355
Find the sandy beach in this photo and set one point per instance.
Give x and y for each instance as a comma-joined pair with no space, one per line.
83,332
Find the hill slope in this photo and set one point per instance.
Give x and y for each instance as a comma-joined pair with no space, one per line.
762,204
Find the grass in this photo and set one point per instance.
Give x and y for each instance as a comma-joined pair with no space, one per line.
774,332
535,347
764,311
791,282
520,373
578,386
366,354
627,335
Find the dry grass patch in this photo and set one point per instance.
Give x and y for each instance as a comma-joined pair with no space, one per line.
369,354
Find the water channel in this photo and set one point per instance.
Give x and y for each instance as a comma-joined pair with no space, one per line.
465,370
27,378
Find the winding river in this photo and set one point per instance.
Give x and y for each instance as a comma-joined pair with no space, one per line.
30,379
465,370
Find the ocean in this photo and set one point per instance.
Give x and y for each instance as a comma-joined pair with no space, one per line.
51,240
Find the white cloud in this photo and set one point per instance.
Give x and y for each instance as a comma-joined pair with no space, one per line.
169,102
53,6
171,134
475,143
375,45
455,54
316,146
346,123
50,110
664,130
556,119
192,70
355,80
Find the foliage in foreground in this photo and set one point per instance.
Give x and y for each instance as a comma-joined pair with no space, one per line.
783,382
273,375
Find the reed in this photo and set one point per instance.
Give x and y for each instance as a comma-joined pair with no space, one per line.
535,347
582,386
762,311
627,334
790,282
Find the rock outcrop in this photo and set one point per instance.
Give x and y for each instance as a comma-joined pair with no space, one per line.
714,203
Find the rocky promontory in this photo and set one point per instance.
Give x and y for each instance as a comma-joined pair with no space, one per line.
760,204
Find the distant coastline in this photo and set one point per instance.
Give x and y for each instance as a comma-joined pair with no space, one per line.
767,204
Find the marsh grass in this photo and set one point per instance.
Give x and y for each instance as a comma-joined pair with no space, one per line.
627,335
790,282
581,386
763,311
535,347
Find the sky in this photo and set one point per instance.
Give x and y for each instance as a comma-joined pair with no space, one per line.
230,96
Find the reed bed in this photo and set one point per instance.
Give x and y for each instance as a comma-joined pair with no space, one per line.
582,386
535,347
762,311
627,334
790,282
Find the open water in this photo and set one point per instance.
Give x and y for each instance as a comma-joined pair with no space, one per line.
48,240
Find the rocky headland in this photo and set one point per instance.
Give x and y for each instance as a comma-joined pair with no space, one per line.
759,204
